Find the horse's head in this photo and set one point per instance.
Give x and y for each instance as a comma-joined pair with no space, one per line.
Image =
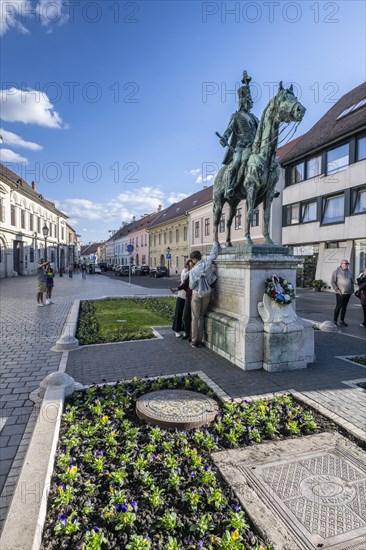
289,108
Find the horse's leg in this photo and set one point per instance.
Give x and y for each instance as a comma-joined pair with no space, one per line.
266,216
218,200
232,211
250,198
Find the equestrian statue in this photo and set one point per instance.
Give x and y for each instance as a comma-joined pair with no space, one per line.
250,169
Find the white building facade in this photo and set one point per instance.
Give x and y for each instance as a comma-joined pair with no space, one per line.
30,228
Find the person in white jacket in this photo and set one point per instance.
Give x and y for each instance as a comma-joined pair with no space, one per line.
200,304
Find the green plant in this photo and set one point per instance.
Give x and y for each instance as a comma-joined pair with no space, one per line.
94,539
169,521
318,284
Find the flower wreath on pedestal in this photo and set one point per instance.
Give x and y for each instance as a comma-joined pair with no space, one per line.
280,290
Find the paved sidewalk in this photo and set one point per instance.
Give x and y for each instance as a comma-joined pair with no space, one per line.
28,332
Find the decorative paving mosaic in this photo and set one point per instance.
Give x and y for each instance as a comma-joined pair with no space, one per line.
321,494
176,408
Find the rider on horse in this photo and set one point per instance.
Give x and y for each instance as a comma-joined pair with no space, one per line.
242,128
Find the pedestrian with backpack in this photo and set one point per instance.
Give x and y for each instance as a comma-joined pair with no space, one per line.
201,279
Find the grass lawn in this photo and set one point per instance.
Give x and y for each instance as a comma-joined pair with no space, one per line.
118,320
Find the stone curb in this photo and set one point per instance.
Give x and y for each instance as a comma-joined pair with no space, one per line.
353,430
24,523
67,341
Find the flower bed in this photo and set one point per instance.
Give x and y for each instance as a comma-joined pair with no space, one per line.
98,320
121,483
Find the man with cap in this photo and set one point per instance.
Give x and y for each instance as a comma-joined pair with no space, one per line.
41,281
241,130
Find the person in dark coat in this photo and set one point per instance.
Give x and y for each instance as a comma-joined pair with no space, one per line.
362,288
179,308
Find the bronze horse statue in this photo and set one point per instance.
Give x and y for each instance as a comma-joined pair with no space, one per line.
256,182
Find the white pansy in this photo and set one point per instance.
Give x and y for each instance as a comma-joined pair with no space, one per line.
287,298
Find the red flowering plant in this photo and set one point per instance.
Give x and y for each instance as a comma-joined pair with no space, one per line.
279,289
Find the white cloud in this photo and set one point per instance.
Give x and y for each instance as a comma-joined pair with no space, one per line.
16,141
205,179
123,207
12,15
29,107
51,12
194,172
6,155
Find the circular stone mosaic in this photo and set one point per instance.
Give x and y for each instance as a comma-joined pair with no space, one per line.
176,408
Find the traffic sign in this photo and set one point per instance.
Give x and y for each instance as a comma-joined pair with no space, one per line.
168,256
130,248
94,257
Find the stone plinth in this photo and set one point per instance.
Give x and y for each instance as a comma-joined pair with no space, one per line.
234,327
180,409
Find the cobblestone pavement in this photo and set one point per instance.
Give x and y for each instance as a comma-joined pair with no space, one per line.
27,334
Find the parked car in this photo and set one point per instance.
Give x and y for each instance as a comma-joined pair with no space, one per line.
141,270
123,271
135,268
103,266
97,269
158,271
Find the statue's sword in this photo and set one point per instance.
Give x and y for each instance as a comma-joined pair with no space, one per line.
227,144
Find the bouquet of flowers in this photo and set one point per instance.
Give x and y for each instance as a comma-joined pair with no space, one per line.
279,289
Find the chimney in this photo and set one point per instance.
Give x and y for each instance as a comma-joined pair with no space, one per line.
34,185
205,187
133,218
159,208
124,224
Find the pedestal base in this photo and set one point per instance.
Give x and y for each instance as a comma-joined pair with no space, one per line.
234,327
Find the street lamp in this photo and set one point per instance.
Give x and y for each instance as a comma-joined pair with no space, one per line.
45,231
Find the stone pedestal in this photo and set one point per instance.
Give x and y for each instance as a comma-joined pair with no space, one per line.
234,327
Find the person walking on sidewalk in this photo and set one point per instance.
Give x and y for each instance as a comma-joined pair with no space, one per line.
343,285
41,281
50,274
362,288
200,304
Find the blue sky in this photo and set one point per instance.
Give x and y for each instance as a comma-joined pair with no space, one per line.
112,106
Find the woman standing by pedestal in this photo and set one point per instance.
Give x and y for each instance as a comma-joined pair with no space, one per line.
179,308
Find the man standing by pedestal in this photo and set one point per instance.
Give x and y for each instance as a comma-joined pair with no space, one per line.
200,304
41,281
343,285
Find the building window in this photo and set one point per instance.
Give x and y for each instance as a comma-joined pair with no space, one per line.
31,255
154,241
145,239
137,242
2,211
361,148
359,201
292,214
297,173
196,229
164,238
12,215
207,227
185,233
337,158
155,262
222,224
143,260
30,222
238,217
170,237
39,227
177,261
159,239
333,209
177,235
308,211
313,167
255,220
